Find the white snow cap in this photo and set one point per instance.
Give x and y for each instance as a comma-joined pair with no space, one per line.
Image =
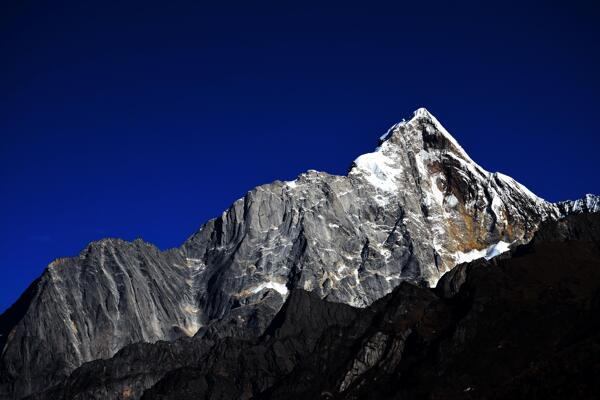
378,168
423,113
382,170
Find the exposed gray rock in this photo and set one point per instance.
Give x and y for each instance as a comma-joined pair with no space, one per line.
410,211
521,325
88,307
369,355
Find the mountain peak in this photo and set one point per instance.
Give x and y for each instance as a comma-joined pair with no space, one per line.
422,112
419,142
424,130
409,211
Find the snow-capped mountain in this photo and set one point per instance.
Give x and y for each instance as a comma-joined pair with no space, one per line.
409,211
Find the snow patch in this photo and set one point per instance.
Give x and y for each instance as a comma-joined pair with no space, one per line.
356,277
451,201
194,263
393,277
341,268
389,132
291,184
377,170
497,206
279,287
487,253
438,195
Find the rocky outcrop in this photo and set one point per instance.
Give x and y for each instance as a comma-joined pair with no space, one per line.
590,203
89,307
408,212
525,325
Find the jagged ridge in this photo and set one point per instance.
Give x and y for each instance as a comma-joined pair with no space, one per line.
410,211
521,326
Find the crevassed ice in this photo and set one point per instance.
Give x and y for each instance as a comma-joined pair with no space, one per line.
487,253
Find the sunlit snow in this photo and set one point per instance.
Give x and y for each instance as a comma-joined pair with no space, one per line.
378,171
487,253
279,287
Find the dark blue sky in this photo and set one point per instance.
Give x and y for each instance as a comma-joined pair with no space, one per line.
139,119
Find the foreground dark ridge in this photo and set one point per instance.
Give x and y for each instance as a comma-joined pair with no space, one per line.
523,325
407,212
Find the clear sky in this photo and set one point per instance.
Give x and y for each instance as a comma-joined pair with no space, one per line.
144,119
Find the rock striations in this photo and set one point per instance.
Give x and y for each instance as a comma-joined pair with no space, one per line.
521,326
407,212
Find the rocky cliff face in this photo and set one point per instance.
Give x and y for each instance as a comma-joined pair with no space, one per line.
409,211
589,204
524,325
88,307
